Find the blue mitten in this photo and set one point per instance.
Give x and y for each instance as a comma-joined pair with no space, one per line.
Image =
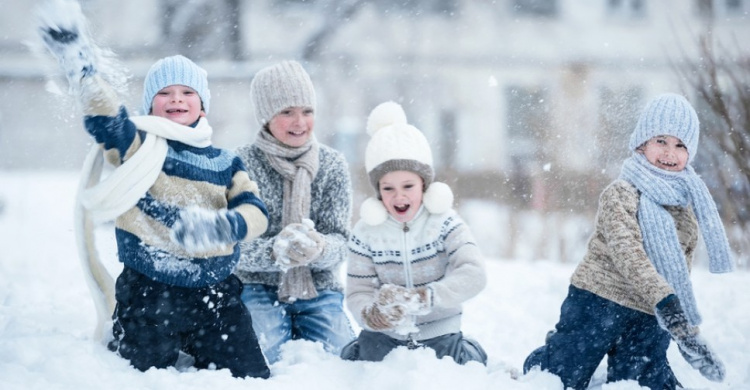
692,347
62,27
200,230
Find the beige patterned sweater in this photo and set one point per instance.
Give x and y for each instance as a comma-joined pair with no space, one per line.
616,266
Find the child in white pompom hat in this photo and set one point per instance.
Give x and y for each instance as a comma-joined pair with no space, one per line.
413,261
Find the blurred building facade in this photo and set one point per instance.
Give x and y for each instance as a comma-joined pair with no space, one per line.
525,102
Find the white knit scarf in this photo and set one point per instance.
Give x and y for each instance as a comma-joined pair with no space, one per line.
298,166
664,188
122,189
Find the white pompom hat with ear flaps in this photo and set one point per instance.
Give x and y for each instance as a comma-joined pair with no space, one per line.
398,146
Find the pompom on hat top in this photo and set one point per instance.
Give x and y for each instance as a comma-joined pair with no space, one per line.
281,86
668,114
175,70
396,145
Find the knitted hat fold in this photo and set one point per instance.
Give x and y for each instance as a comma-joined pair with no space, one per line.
668,114
281,86
175,70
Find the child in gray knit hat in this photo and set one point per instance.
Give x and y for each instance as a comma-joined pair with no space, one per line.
631,293
412,261
180,207
292,286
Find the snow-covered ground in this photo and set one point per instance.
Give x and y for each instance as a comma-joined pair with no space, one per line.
47,319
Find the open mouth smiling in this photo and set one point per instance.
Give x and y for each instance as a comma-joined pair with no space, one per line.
401,209
667,164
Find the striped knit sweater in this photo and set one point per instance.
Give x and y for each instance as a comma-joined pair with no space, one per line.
207,177
616,266
435,250
330,210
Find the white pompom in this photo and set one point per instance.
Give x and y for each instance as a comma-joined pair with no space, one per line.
385,114
373,212
438,198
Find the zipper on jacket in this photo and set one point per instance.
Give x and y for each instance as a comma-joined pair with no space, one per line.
407,262
412,343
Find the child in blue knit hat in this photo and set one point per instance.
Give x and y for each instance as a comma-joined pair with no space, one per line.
180,207
631,293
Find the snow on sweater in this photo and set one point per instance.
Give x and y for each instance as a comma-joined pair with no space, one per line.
207,177
616,266
330,211
435,250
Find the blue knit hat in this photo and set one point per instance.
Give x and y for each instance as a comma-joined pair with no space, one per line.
668,114
175,70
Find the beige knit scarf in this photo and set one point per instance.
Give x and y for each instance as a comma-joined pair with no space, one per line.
298,166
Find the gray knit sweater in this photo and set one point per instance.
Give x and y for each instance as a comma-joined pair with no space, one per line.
330,209
616,266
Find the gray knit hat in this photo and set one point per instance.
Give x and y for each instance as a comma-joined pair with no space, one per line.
175,70
668,114
281,86
396,145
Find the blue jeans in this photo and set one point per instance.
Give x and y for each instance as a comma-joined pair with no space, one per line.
592,327
320,319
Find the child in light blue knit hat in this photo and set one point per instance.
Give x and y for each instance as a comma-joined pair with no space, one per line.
175,71
631,293
180,205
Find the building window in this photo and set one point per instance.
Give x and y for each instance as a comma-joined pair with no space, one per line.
710,9
527,123
626,9
538,8
618,113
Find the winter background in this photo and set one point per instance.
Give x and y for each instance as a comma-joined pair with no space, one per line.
395,50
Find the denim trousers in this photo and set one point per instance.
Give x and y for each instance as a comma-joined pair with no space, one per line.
590,328
321,319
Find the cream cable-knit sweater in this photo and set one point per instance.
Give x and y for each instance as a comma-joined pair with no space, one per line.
435,250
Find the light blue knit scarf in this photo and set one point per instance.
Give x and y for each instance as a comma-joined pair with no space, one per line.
660,188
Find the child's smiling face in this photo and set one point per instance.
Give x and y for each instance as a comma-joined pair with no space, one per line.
177,103
293,126
401,193
665,152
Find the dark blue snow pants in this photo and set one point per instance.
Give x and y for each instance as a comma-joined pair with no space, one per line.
154,321
373,346
591,327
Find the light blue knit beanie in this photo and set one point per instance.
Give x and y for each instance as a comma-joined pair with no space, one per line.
668,114
175,70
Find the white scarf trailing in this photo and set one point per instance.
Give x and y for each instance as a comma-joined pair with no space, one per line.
661,188
298,166
119,192
122,189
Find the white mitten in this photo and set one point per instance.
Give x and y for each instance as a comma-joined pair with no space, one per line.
298,244
62,27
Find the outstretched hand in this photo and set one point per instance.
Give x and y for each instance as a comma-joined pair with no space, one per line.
62,28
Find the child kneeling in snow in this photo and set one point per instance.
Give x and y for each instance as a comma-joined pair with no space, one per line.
632,291
413,261
181,206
